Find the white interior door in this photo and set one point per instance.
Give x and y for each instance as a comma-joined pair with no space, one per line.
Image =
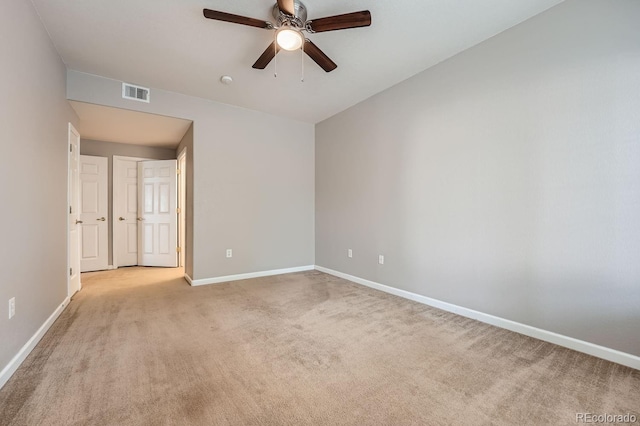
125,210
94,243
182,206
74,212
158,227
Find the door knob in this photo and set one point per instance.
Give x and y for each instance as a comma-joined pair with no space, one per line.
78,221
141,218
101,219
121,218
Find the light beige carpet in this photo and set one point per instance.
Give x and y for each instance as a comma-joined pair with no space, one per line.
138,346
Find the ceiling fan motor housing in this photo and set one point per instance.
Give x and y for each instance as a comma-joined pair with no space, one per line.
297,20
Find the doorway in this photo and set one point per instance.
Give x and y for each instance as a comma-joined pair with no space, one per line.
133,135
145,212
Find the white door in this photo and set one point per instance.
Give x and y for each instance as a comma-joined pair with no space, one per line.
94,243
74,212
182,206
158,227
125,211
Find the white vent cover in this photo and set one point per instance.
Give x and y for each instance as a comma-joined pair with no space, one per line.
136,93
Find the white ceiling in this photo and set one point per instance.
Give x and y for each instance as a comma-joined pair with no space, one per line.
168,44
108,124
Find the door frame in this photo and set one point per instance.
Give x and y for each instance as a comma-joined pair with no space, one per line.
115,203
70,196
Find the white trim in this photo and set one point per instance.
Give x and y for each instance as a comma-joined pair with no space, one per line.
227,278
22,354
111,267
548,336
125,158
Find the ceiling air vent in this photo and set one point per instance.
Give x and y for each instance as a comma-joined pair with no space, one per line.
136,93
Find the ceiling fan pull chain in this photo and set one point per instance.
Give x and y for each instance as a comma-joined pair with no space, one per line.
302,61
275,55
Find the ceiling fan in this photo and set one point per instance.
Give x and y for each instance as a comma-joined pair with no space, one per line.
290,21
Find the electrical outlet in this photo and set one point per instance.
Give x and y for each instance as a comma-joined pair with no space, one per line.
381,259
12,307
229,253
350,253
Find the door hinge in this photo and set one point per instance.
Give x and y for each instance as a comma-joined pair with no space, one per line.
178,210
178,171
178,249
70,210
70,271
70,147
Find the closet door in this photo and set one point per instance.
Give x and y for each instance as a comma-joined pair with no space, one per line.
94,230
125,211
157,213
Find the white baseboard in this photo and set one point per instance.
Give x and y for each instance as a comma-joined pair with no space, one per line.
548,336
227,278
111,267
22,354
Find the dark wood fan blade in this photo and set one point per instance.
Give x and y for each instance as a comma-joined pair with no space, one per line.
266,56
318,56
236,19
286,6
341,22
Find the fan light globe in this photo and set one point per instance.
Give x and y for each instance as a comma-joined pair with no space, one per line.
289,39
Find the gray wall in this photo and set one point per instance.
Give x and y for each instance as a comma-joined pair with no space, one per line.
505,180
187,142
253,179
34,117
109,149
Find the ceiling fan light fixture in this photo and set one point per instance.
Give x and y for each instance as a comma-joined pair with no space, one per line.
289,38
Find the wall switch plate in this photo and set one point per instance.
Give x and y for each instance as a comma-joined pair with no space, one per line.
229,253
350,253
381,259
12,307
